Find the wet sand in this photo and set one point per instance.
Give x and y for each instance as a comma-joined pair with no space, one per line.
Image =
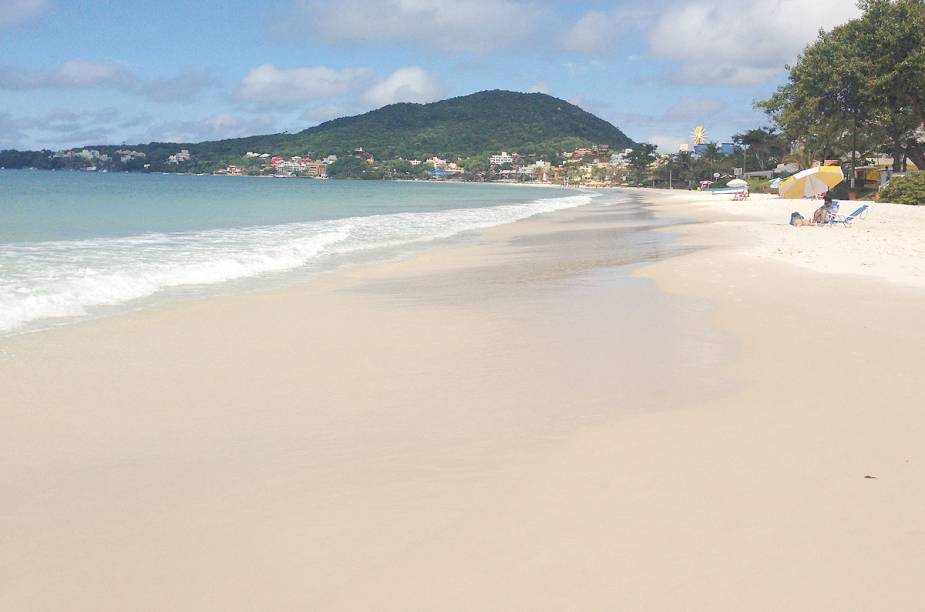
572,412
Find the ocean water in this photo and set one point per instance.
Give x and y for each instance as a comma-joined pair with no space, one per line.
74,245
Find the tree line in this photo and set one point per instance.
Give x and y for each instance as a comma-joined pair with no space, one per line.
856,92
859,89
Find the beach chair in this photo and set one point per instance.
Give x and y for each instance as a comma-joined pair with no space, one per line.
858,214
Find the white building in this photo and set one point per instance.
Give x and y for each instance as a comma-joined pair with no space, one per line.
88,154
315,169
503,158
127,155
289,166
619,159
182,156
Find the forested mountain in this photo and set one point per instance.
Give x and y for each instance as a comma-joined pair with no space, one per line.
473,125
488,121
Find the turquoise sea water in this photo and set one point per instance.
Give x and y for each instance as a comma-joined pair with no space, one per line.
77,244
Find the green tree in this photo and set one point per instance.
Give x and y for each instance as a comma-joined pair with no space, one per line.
639,160
905,189
349,167
859,88
817,106
711,154
897,57
766,146
685,164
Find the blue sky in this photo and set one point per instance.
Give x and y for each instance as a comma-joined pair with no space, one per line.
98,72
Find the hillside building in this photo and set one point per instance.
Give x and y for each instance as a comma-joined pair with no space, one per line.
503,158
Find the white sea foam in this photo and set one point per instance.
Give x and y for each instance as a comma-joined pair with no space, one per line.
54,279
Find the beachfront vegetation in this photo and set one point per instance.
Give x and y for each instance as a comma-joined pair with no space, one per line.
639,161
905,190
855,94
763,148
859,89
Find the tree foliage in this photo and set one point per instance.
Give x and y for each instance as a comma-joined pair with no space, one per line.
860,87
766,146
905,190
640,159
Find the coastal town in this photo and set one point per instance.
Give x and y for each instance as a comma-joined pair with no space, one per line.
592,165
698,164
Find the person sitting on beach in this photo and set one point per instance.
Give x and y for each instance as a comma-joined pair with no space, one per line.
798,220
826,212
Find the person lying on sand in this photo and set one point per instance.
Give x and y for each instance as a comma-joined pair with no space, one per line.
798,220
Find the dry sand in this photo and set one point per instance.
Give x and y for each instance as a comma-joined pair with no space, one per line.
520,423
888,243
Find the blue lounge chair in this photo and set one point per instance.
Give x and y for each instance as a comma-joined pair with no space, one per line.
858,214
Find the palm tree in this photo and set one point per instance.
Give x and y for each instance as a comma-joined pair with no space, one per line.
686,161
711,154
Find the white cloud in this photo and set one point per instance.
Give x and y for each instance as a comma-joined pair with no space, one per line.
324,112
15,12
584,67
720,42
64,128
287,87
539,87
597,32
57,128
81,74
73,74
593,33
410,84
12,131
472,26
180,88
214,127
666,143
696,109
740,43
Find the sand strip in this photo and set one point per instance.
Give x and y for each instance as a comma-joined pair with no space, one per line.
520,423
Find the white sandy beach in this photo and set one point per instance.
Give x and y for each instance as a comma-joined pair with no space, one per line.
517,423
888,244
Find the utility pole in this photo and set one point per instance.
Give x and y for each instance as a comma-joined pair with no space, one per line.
854,149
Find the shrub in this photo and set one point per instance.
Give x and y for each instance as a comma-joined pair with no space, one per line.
759,186
909,189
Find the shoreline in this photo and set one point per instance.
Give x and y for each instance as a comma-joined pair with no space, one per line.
332,255
451,430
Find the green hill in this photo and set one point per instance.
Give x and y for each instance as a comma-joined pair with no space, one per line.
479,123
467,126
